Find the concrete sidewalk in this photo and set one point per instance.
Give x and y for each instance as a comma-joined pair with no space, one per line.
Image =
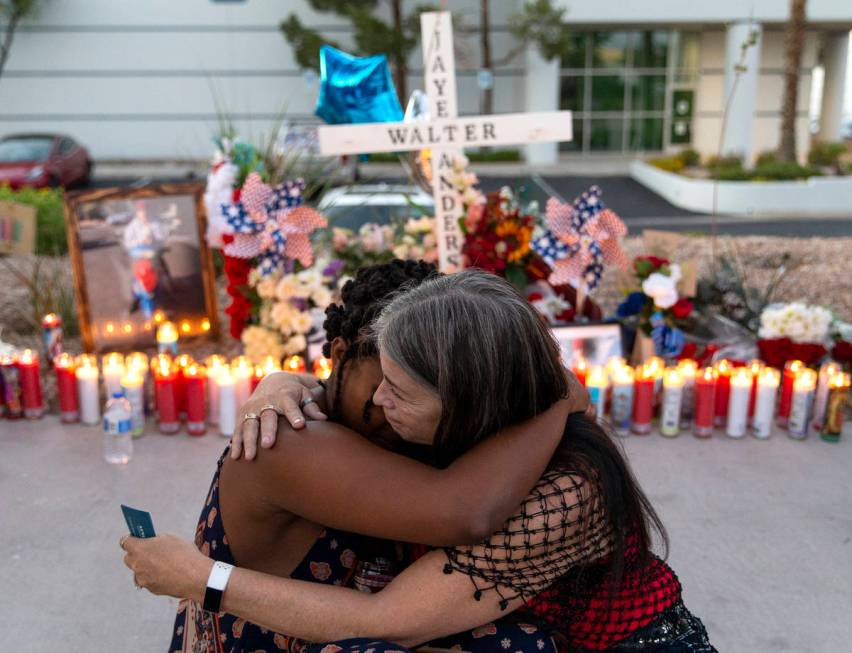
761,535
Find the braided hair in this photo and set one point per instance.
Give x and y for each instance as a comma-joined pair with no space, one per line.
362,300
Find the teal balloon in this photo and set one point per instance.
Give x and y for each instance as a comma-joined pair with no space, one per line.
355,89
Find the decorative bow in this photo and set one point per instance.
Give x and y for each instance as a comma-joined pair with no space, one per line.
582,238
270,223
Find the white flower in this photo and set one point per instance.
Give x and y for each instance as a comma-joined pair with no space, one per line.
797,321
295,345
302,322
321,296
259,343
661,288
674,272
400,251
266,287
287,288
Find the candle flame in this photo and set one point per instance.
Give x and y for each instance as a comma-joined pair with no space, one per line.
159,317
127,328
113,360
597,377
806,380
709,374
27,357
741,376
723,367
794,366
672,377
185,327
50,320
294,364
687,368
756,367
322,368
64,360
623,375
167,333
205,325
769,376
109,328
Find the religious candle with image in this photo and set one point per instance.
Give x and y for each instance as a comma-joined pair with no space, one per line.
788,379
597,384
10,375
801,403
838,397
622,400
764,405
826,374
113,371
738,400
673,393
687,369
51,330
133,386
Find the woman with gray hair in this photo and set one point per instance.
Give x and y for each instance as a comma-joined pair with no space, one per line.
463,356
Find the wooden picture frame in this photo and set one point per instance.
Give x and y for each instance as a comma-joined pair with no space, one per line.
122,241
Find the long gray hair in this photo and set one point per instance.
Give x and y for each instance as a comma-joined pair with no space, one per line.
481,347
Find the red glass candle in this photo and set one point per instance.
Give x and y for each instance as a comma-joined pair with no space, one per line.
788,380
165,382
66,388
705,402
644,392
30,376
580,368
196,400
295,364
257,376
723,391
183,361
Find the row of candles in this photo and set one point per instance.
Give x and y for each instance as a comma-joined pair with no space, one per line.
177,389
737,400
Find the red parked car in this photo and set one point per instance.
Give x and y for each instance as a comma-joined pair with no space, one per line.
43,160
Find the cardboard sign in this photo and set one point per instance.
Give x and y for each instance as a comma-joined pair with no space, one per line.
17,228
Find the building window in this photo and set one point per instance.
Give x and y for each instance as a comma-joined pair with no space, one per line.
616,83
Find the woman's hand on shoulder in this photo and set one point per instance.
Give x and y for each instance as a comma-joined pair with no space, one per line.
279,393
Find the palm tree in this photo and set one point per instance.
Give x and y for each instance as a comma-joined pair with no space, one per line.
794,40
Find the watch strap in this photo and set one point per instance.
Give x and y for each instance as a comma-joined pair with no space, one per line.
220,573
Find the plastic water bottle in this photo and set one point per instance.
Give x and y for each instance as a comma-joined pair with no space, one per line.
118,425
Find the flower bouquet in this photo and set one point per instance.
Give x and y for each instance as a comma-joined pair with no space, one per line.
657,310
794,331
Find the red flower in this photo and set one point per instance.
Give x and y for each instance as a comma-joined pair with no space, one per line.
842,352
567,315
777,351
535,297
682,308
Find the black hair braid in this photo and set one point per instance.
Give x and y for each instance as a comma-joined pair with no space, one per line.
362,300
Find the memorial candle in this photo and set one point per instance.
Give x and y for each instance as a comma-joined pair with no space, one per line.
138,361
580,367
764,403
10,383
257,377
673,392
791,371
167,338
183,361
29,371
87,389
133,387
622,400
738,398
295,364
643,399
196,410
227,402
66,388
213,366
596,384
723,390
826,373
755,367
51,334
242,371
838,396
656,368
705,402
687,369
322,368
801,403
165,393
113,370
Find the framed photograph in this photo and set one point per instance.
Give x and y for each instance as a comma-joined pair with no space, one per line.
140,258
596,342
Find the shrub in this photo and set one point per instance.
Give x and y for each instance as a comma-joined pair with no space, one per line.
729,161
51,239
765,158
730,173
781,171
668,163
690,157
826,154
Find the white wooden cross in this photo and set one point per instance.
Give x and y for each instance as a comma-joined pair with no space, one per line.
445,133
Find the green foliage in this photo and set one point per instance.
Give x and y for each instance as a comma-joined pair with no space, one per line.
305,42
826,154
51,239
729,161
541,23
730,173
668,163
690,157
767,158
782,171
49,287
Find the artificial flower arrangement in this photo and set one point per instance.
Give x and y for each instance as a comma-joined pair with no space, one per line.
658,310
794,331
413,239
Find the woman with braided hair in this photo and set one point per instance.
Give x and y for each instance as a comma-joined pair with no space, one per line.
463,356
266,514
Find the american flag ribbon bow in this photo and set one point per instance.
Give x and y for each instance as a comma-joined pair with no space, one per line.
581,238
271,224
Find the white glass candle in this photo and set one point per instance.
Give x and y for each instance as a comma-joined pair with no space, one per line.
133,387
826,372
800,408
114,369
622,400
87,390
597,384
242,372
227,402
738,402
214,365
673,391
764,403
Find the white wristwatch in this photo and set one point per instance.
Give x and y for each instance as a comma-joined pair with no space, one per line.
216,583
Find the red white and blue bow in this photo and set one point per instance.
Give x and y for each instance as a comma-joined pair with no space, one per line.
581,238
271,224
